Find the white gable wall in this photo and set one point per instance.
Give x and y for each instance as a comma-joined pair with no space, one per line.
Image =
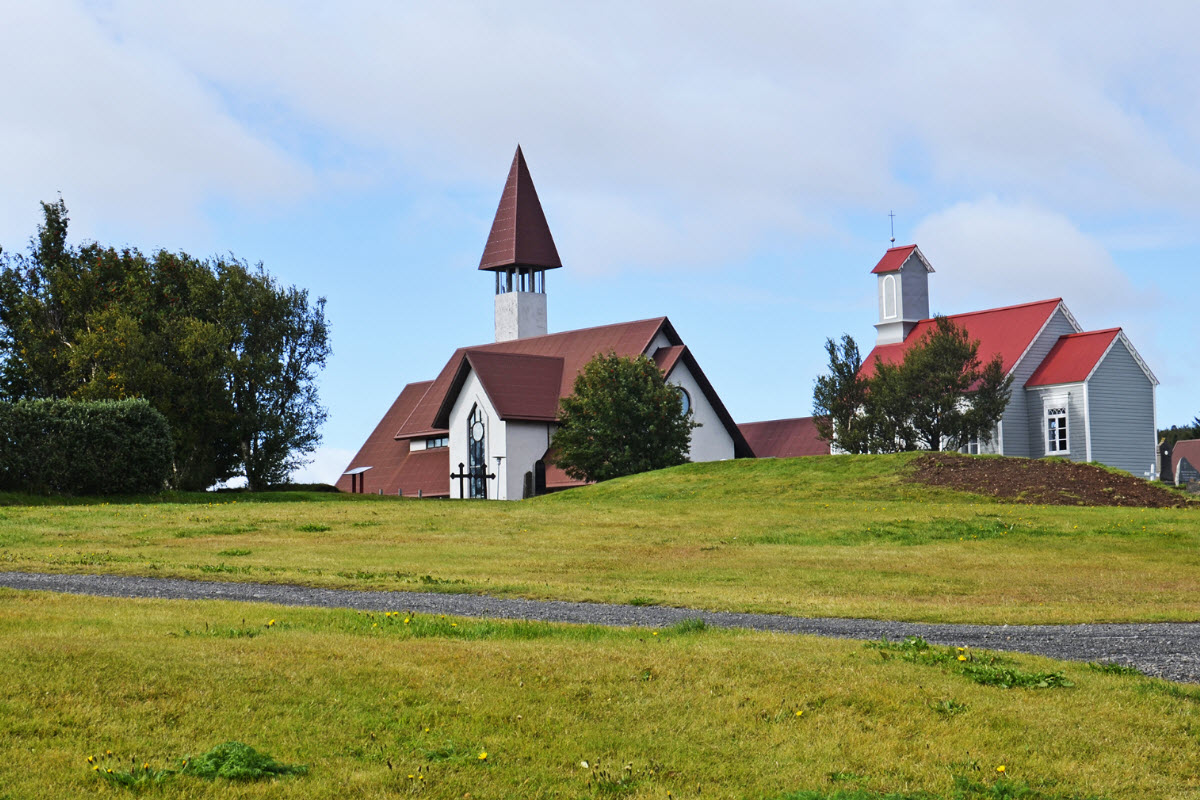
1121,407
1020,438
472,393
711,442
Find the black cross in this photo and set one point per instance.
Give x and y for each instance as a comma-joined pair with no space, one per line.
464,475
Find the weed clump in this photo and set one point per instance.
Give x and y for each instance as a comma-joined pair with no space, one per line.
984,669
238,762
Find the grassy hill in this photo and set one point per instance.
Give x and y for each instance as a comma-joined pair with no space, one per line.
835,536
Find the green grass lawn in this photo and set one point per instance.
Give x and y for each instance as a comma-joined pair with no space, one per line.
835,536
380,706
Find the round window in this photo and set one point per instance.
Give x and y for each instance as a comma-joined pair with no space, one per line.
685,400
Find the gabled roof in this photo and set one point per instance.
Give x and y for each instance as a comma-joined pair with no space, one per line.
1073,358
895,257
1008,331
1189,449
784,438
520,236
525,378
520,386
665,358
575,348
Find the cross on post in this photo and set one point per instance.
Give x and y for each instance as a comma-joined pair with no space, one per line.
465,474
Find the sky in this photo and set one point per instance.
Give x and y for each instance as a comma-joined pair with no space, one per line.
729,165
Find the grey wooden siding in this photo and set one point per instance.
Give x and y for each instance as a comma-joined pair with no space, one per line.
914,290
1019,438
1122,411
1035,399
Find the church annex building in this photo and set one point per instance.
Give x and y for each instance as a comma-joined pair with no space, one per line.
484,426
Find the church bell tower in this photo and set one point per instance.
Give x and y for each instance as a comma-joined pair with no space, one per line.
903,289
519,251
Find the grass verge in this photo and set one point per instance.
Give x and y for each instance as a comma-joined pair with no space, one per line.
378,705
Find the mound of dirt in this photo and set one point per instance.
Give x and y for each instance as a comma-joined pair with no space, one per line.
1040,482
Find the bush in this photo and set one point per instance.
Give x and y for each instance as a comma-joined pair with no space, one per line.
95,448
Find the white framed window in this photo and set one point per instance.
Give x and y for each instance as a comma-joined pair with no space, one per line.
889,296
1057,439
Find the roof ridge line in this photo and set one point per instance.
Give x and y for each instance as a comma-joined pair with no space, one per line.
997,308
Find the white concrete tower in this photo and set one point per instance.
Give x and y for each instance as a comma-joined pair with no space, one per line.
519,250
903,291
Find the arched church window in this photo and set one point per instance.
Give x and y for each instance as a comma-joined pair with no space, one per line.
476,453
889,296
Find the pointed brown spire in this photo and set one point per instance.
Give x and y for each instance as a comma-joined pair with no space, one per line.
520,236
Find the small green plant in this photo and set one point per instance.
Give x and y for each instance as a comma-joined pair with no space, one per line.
108,768
235,761
948,708
1011,678
234,551
313,527
986,669
1112,668
689,625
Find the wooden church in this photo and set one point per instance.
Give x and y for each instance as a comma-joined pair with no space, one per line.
1076,394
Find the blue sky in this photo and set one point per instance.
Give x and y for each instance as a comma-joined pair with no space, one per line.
728,165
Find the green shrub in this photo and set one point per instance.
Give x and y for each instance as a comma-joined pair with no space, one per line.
238,762
92,448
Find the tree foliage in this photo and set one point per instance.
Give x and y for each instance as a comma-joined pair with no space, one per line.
622,418
939,396
840,396
1177,433
224,353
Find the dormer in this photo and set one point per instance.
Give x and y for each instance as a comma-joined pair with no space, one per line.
903,291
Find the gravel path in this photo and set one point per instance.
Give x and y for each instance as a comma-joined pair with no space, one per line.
1166,649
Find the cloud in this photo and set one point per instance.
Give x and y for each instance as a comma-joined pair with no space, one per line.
988,253
326,466
123,130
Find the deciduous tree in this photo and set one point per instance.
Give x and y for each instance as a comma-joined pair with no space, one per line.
621,418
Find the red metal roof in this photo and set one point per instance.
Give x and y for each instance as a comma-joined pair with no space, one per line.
520,236
1187,448
893,259
424,472
1072,358
1008,331
784,438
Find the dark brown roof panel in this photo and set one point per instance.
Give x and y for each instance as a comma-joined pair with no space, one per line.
784,438
574,348
520,386
520,236
381,451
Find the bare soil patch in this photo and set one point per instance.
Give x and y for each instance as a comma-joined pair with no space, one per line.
1041,482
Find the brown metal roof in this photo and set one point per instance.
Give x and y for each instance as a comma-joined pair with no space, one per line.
667,357
425,472
520,236
381,450
784,438
575,348
520,386
1185,448
519,375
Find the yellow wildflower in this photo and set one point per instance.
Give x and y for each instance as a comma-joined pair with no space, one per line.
483,756
1000,769
962,658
